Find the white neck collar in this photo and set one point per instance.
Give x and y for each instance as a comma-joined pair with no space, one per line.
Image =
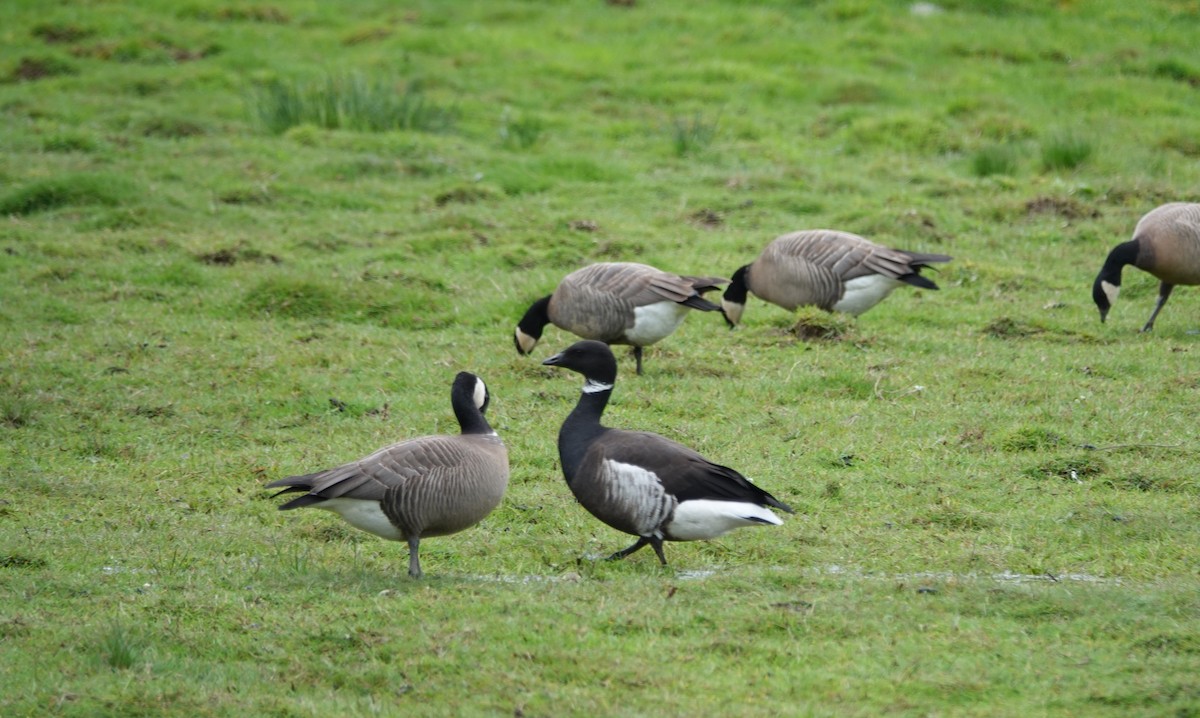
591,386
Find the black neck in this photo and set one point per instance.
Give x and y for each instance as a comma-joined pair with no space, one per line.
536,318
470,419
581,427
1121,255
736,291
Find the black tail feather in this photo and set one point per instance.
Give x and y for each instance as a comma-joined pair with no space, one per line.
300,501
772,501
917,280
698,302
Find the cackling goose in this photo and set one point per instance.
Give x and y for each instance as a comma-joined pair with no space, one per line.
1166,243
836,271
617,303
429,486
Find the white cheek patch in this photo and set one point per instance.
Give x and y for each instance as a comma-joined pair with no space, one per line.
480,393
705,519
1111,291
364,515
526,342
655,321
863,293
733,310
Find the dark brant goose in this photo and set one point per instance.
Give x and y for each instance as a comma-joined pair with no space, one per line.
617,303
429,486
642,483
1166,243
836,271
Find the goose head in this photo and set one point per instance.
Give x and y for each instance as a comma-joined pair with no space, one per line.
593,359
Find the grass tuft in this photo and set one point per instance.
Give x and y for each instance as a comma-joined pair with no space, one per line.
520,131
289,297
1184,143
1008,328
57,33
69,190
1031,438
29,69
120,648
16,412
14,560
171,128
352,102
1177,70
70,142
1065,151
691,135
995,160
1071,468
855,93
820,325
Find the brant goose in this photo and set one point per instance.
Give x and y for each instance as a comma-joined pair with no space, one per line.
642,483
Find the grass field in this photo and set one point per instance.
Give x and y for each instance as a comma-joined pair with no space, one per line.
247,240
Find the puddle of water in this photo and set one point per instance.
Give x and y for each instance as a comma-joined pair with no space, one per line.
831,570
1003,576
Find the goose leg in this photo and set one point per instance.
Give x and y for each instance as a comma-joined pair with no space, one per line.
637,354
656,544
642,541
1164,292
414,558
653,541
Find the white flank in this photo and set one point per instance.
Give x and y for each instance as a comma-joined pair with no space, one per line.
655,321
863,293
1111,291
704,518
638,494
365,515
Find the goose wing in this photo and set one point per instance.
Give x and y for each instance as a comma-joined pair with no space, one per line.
640,284
682,472
842,255
372,477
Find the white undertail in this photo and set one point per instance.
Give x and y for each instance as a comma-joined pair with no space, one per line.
705,518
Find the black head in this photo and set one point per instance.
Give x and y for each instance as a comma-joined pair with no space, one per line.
1101,298
469,386
1108,282
591,358
733,301
529,329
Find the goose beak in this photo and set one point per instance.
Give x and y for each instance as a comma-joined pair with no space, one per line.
554,360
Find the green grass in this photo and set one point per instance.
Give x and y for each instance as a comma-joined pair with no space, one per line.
995,493
995,160
1065,152
354,102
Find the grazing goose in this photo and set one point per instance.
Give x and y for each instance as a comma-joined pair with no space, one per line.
1166,243
429,486
642,483
617,303
836,271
